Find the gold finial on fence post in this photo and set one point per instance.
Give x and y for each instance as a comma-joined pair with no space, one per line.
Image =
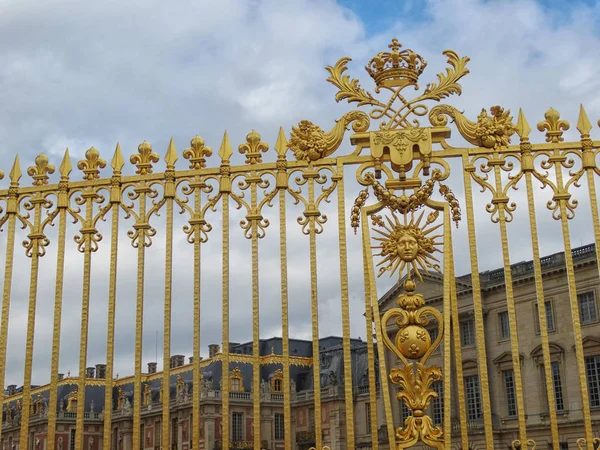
144,158
583,123
523,128
281,146
91,165
14,175
170,159
117,164
584,126
63,185
40,171
225,153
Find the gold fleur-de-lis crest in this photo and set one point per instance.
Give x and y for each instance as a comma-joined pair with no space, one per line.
144,158
553,125
197,153
253,147
92,164
40,171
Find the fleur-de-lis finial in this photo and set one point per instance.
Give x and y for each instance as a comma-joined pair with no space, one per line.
40,171
553,125
253,147
196,154
144,158
92,164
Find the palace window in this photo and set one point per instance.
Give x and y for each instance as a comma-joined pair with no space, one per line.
277,381
437,404
509,390
142,437
467,332
558,395
549,317
592,369
405,410
587,307
473,397
237,419
433,333
236,380
157,434
72,440
368,416
504,324
279,427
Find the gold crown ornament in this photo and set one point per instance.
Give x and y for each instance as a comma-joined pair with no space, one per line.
396,68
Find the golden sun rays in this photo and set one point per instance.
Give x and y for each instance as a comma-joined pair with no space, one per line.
407,247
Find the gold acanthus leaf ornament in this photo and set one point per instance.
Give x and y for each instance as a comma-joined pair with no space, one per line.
490,131
309,142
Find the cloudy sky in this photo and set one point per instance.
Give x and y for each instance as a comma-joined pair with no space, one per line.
76,74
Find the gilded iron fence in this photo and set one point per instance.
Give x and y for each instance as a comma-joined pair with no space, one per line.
407,225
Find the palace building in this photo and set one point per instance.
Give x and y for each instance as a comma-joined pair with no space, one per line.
499,362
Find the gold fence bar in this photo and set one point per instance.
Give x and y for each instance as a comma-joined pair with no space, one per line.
170,159
314,308
225,331
383,374
478,310
225,153
33,251
527,167
196,346
370,352
348,395
255,321
562,202
10,217
450,291
139,317
62,206
282,184
512,316
447,339
89,195
115,204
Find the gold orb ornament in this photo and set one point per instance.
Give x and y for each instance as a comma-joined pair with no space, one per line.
413,341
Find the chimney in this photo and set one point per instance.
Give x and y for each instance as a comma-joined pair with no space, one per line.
89,372
213,349
12,389
151,367
191,359
177,361
101,371
61,376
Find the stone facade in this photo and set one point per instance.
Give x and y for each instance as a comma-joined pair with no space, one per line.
498,349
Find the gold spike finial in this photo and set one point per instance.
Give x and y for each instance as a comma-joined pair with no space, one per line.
523,128
225,151
583,123
65,166
117,162
171,156
15,173
281,146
